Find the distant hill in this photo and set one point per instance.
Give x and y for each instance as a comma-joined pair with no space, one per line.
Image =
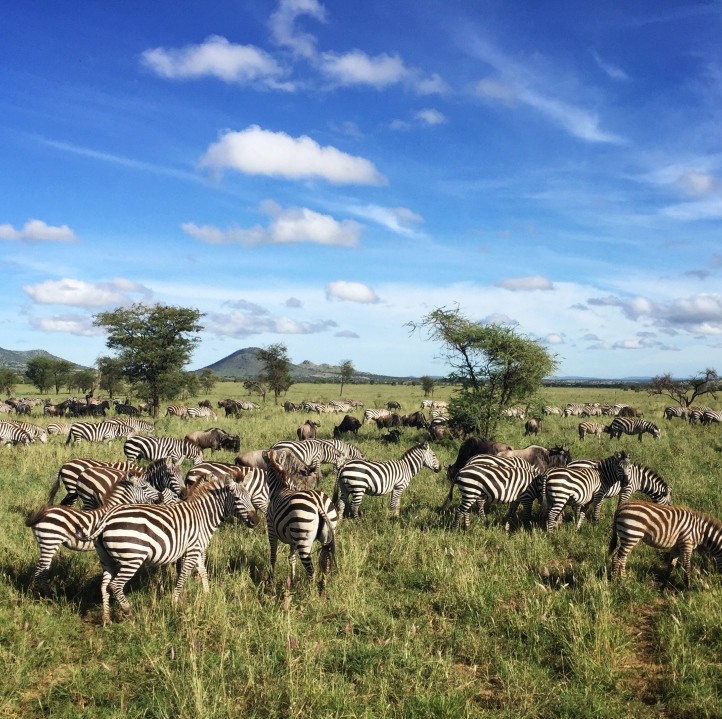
244,364
18,361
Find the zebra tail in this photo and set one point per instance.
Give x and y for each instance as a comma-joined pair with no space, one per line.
54,490
329,549
544,497
36,515
97,526
69,439
613,540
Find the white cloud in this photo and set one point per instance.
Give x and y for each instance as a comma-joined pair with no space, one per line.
38,231
348,334
288,226
283,28
70,324
358,68
242,323
216,57
255,151
613,71
397,219
429,116
78,293
526,284
697,184
350,292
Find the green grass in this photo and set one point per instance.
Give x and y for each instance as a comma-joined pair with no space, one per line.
417,621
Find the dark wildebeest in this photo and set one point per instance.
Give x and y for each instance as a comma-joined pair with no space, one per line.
348,424
630,412
393,404
438,429
390,420
307,430
252,458
470,448
416,419
292,407
392,437
533,426
539,457
214,439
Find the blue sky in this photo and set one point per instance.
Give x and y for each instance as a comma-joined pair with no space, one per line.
321,173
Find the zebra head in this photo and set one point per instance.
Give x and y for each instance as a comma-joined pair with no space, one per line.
137,490
654,431
429,458
166,474
623,466
243,507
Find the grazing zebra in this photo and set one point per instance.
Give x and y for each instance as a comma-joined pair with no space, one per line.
579,483
676,411
317,407
136,425
678,528
36,433
104,431
139,446
489,478
612,410
12,434
374,414
128,536
633,425
195,412
594,428
573,410
298,516
515,412
59,428
70,471
312,453
360,476
56,526
711,415
552,410
177,410
592,410
252,478
336,405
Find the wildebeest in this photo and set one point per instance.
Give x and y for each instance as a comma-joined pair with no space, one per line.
533,426
470,448
393,404
390,420
252,458
630,412
214,439
292,407
392,437
307,430
348,424
540,457
438,430
416,419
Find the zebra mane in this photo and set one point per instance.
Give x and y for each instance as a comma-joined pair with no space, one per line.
418,445
287,467
198,489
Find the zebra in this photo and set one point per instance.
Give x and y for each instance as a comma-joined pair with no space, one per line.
612,410
317,407
195,412
678,528
297,515
579,483
695,414
312,453
36,433
104,431
573,410
374,414
633,425
252,478
595,428
711,415
139,446
92,480
137,425
59,428
128,536
338,406
360,476
177,410
551,410
675,411
592,410
12,434
56,526
494,479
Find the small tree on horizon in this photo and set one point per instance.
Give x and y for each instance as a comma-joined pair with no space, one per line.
276,372
428,385
39,372
684,392
111,375
8,380
347,373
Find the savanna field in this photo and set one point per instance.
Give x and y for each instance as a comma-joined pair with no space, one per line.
417,620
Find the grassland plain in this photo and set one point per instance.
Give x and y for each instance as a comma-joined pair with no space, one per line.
418,620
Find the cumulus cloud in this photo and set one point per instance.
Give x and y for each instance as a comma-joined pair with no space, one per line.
255,151
38,231
351,292
283,25
526,284
554,339
247,321
397,219
216,57
348,334
78,293
294,302
358,68
429,116
287,226
71,324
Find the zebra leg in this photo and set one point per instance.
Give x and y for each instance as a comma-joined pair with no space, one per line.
292,562
554,517
461,513
121,578
42,568
687,562
356,498
273,542
619,562
395,501
191,559
69,499
579,515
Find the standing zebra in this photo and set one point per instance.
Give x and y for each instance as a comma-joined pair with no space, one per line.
595,428
127,536
678,528
633,425
104,431
137,425
139,446
12,434
56,526
361,476
70,471
710,415
59,428
195,412
177,410
36,433
675,411
374,414
252,478
314,452
578,483
298,516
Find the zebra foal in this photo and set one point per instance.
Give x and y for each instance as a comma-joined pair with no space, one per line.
128,536
678,528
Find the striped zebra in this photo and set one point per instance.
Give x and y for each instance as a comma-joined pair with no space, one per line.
196,412
594,428
317,407
12,434
140,446
578,484
551,410
128,536
633,425
710,415
60,428
359,477
297,515
104,431
675,411
336,405
312,453
137,425
489,478
371,415
592,410
91,480
678,528
37,433
58,526
573,410
177,410
252,478
695,414
612,410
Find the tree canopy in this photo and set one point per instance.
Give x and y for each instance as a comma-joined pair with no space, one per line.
347,373
492,365
686,391
276,372
153,344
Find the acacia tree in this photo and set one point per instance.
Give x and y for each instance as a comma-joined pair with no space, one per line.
492,365
276,372
208,380
39,372
427,384
684,392
153,343
347,373
8,380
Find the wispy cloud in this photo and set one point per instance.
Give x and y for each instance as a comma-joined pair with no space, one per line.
397,219
284,30
78,293
613,71
38,231
69,324
526,284
250,319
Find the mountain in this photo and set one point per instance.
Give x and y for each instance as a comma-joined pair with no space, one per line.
18,361
244,364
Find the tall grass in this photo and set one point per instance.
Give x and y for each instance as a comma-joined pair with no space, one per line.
418,620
